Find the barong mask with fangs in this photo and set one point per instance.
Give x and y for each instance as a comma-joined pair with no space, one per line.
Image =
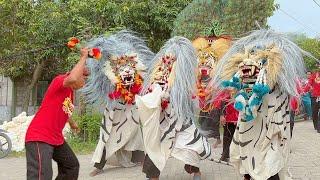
162,74
250,67
256,73
208,56
255,65
123,71
125,67
206,61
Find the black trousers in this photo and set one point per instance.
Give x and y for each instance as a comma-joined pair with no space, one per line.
102,162
39,161
152,171
210,121
315,110
292,116
228,131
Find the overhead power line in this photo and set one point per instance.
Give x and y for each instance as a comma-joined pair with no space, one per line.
318,4
299,22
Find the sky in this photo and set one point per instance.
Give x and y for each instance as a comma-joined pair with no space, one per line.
297,16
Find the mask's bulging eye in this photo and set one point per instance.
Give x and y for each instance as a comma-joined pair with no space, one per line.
252,51
264,61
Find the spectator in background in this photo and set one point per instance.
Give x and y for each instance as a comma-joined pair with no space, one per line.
303,89
306,99
294,110
314,83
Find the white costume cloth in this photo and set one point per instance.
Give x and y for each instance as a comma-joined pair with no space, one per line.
261,147
163,136
120,134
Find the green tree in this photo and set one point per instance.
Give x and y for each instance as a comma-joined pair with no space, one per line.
313,46
152,18
235,17
35,40
33,33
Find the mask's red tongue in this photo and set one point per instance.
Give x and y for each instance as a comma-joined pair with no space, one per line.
204,72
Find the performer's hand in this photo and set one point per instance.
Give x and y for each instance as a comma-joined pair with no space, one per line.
222,120
74,126
84,53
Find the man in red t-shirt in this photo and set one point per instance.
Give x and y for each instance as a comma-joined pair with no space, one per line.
314,84
44,140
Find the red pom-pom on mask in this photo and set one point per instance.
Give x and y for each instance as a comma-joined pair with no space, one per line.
96,53
73,42
135,89
164,104
115,95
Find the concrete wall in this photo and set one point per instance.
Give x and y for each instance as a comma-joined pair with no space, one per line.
6,94
11,96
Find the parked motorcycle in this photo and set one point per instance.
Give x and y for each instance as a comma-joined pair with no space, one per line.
5,144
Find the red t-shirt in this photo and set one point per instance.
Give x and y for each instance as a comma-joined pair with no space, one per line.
53,114
231,114
314,82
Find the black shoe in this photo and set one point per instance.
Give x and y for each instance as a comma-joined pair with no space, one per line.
246,177
225,159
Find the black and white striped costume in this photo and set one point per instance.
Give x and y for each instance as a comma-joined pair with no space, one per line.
261,147
120,134
164,136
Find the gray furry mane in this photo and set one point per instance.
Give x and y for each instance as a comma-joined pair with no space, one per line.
98,86
184,83
292,69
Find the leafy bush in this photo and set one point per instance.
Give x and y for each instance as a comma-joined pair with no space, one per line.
89,125
80,147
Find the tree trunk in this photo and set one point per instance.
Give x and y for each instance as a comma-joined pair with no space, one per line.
35,77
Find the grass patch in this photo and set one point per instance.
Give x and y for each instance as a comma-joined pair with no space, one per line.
15,154
81,147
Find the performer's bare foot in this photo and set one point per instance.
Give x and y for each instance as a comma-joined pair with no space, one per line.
197,176
96,172
215,145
